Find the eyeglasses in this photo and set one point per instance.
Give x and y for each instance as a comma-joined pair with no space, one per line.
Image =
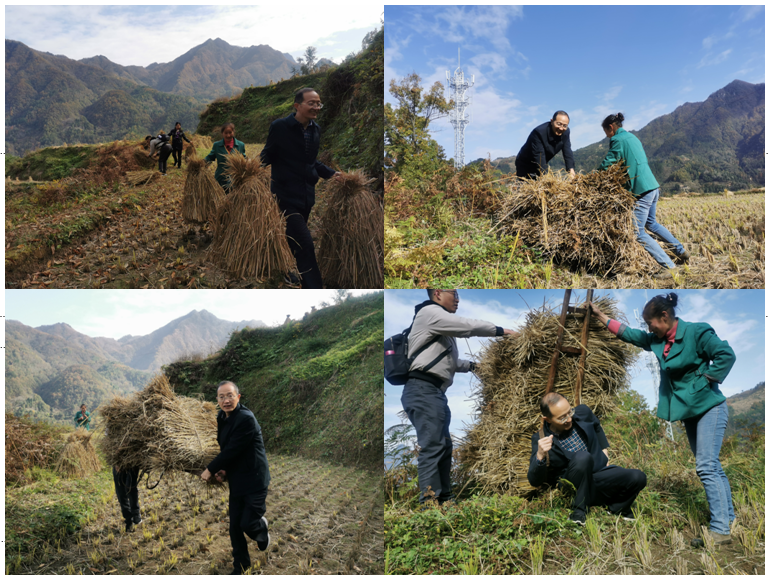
450,291
564,418
561,126
228,397
315,104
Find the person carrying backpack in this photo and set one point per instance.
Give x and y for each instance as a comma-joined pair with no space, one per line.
430,374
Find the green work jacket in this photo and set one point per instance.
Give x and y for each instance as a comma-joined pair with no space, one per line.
697,359
625,146
79,415
219,152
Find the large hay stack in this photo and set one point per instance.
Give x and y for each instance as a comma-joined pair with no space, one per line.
352,237
156,430
513,375
78,459
250,230
202,193
586,222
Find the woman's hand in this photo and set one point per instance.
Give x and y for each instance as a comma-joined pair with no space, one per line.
599,314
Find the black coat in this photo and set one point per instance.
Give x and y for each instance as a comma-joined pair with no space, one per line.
242,452
176,141
294,171
595,440
540,148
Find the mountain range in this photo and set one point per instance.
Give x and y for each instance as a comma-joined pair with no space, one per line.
51,100
706,146
50,370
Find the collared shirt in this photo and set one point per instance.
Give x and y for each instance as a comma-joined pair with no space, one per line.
670,338
308,131
572,441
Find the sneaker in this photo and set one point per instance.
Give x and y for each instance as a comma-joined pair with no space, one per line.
665,273
578,517
263,546
238,571
140,521
129,527
683,257
719,539
627,516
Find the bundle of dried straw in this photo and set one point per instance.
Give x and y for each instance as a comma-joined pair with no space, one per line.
586,222
352,236
202,193
138,177
78,458
157,430
250,229
513,373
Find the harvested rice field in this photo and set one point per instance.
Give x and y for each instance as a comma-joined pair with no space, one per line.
324,519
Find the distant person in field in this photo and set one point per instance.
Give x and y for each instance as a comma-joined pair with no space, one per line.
433,346
572,446
177,143
544,142
627,148
292,151
243,462
83,418
127,492
693,362
219,151
164,151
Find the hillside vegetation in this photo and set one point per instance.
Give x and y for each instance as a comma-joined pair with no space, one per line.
501,534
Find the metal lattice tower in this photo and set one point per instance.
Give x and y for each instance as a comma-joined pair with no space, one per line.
458,116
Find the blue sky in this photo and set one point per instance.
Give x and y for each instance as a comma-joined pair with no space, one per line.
736,315
141,35
590,61
115,313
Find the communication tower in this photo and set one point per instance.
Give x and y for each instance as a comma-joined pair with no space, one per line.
459,84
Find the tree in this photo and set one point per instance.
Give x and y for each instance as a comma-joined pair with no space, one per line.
341,296
308,63
407,139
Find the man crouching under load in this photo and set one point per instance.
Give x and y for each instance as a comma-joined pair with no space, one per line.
243,462
574,447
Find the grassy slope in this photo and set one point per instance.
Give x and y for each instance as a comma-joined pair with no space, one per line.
507,534
315,385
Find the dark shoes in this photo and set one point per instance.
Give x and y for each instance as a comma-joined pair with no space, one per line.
628,515
719,539
578,517
262,546
683,257
292,279
665,273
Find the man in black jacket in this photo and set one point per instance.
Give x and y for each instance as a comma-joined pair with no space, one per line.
574,447
292,150
243,462
544,142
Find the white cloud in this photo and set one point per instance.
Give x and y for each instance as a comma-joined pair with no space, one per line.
709,60
459,24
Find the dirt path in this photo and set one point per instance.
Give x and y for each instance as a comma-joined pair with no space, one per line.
324,519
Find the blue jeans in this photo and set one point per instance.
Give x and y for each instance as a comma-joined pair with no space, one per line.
428,410
705,433
646,218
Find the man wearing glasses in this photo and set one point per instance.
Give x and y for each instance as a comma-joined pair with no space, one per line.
292,151
574,447
243,462
544,142
432,344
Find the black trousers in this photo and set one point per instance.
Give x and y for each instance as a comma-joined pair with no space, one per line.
163,154
128,494
177,158
302,246
612,486
246,518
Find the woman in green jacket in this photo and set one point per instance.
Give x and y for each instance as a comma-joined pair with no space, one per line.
693,361
625,147
219,152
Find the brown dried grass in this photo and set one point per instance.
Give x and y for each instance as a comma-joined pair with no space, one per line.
27,444
139,177
202,193
157,430
352,235
78,458
513,373
250,230
583,223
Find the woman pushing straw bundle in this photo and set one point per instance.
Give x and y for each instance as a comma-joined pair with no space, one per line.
352,238
250,229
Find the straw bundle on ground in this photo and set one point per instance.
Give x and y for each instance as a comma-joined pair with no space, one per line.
584,223
157,430
202,193
352,236
78,459
250,229
513,375
139,177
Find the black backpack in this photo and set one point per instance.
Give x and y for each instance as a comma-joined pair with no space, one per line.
396,360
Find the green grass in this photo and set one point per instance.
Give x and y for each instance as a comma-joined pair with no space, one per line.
50,163
503,534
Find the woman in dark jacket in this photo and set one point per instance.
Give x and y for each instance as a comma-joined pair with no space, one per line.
693,361
219,153
177,135
627,148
